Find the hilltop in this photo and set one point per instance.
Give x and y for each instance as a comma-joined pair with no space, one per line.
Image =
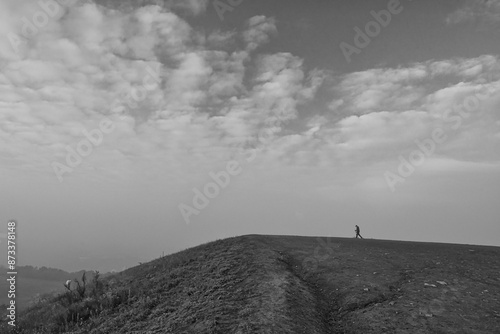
289,284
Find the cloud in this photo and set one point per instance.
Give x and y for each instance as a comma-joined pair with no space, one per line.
211,98
484,12
208,98
196,7
392,89
377,114
259,31
190,7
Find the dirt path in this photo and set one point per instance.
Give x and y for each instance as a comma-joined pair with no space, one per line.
376,286
282,284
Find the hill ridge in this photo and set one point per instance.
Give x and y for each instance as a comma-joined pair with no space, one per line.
292,284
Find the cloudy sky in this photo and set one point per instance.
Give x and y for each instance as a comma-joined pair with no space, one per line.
132,128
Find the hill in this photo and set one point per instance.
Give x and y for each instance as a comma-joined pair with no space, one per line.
288,284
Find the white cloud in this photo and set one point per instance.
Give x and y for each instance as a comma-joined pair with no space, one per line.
214,99
180,7
484,12
211,98
259,31
378,114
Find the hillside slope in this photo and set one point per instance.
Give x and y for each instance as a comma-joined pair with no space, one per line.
33,283
286,284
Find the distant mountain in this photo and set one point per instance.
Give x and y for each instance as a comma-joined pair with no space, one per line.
286,284
33,282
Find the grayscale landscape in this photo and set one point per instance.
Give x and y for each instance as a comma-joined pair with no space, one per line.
249,166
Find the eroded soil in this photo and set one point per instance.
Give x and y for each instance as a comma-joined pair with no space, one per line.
285,284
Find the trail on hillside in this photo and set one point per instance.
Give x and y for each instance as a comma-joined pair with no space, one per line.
278,284
380,286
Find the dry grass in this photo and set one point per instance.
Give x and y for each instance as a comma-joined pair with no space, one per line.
265,284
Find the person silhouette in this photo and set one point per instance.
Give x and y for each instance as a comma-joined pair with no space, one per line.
357,232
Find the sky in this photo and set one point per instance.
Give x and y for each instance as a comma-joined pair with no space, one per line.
132,129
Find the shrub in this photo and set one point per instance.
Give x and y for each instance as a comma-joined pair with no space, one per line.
71,309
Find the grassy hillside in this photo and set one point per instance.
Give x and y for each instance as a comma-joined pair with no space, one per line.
33,283
285,284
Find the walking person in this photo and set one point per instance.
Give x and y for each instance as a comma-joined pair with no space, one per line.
357,232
